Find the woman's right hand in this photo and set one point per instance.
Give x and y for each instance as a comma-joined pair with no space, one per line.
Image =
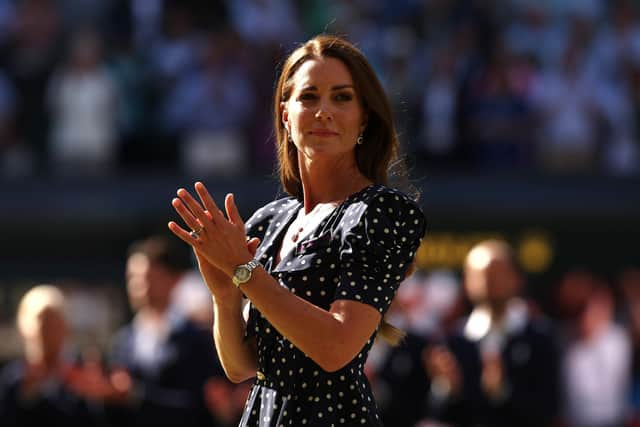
217,281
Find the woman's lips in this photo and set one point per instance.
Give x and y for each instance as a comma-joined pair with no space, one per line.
323,132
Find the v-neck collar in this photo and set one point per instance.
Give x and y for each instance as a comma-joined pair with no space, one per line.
275,243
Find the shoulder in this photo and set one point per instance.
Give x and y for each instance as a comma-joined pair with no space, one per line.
378,193
385,208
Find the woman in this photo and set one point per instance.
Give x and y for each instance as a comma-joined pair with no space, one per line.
330,257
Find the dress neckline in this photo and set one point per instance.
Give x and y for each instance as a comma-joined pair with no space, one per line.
282,233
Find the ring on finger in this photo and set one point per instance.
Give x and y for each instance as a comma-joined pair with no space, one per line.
195,234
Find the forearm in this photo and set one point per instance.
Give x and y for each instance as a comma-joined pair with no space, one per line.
237,355
320,334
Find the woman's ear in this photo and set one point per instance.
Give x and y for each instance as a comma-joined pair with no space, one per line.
363,126
284,114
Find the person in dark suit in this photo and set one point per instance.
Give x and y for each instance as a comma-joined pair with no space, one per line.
44,386
160,361
500,368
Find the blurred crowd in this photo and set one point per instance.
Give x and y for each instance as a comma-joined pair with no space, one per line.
158,369
185,86
95,88
478,351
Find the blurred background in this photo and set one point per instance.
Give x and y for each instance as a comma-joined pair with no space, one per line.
519,119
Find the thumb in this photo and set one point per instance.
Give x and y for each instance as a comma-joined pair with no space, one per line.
252,245
232,211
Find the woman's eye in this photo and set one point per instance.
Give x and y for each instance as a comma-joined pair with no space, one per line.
343,97
307,96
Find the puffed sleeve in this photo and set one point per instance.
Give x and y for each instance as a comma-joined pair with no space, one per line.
378,248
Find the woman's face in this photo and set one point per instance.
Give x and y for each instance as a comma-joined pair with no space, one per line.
323,115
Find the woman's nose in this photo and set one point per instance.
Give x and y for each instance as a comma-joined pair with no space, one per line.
323,113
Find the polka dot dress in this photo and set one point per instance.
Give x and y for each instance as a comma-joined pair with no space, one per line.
360,251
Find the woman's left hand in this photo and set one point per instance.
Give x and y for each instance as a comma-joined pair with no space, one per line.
221,241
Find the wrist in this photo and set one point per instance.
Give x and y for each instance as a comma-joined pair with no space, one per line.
230,302
231,270
244,272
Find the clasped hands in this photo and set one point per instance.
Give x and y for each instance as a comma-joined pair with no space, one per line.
219,242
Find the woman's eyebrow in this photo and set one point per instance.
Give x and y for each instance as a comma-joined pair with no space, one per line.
337,87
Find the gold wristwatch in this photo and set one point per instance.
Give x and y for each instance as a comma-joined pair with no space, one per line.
242,273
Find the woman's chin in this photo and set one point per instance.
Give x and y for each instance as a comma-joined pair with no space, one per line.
324,150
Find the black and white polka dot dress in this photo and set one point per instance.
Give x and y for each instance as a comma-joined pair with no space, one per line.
360,251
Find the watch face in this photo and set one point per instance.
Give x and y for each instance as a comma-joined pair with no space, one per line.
242,273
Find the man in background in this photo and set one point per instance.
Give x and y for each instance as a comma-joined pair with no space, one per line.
501,367
162,359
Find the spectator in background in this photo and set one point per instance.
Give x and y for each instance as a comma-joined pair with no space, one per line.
30,56
265,22
171,55
439,108
165,357
16,157
208,110
83,102
568,100
7,19
146,22
622,154
397,374
629,283
78,13
498,113
500,368
175,49
532,32
191,299
41,388
596,354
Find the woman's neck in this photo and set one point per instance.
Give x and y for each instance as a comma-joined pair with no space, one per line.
329,180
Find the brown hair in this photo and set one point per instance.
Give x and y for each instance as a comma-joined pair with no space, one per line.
380,145
165,251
